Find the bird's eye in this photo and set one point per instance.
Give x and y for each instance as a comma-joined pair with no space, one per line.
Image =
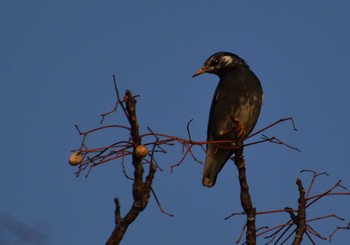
215,63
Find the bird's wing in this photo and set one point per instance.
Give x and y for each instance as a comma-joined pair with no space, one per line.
224,105
219,128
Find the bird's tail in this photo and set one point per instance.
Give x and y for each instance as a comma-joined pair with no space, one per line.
215,159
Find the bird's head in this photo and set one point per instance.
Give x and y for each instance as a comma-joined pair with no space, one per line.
219,63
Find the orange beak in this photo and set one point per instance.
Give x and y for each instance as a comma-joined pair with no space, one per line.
200,71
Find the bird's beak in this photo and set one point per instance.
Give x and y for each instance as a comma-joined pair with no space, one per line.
200,71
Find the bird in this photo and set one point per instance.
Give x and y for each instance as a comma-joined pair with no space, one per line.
238,98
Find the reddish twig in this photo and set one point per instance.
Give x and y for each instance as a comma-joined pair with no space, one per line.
274,124
159,205
315,175
241,234
337,229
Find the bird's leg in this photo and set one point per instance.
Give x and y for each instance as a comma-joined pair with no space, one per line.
237,128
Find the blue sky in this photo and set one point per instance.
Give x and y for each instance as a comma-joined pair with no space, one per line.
56,65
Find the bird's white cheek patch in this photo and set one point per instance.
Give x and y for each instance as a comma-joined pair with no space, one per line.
227,59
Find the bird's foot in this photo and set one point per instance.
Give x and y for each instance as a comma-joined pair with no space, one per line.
237,128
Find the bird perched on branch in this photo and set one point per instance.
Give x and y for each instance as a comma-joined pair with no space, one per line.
237,101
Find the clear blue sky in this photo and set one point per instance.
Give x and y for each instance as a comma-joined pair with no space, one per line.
56,65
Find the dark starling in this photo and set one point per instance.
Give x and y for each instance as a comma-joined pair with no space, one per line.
238,97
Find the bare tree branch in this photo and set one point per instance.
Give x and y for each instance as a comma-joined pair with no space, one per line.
300,221
141,189
246,200
144,161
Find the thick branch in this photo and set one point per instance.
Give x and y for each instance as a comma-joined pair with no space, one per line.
141,190
246,200
301,219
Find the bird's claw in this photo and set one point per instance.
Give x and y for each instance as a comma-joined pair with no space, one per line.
237,128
